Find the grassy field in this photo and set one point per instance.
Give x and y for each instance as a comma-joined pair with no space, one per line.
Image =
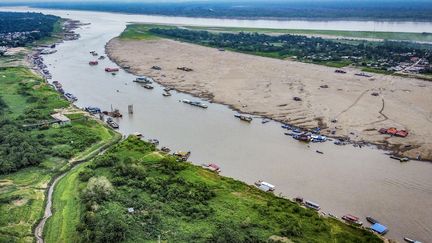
22,193
139,32
180,202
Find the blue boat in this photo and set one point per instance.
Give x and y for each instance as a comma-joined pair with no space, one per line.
379,228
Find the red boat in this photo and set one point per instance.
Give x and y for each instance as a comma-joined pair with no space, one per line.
93,63
109,70
401,133
352,219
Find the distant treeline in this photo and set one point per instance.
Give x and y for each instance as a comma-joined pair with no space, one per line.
331,9
303,48
18,29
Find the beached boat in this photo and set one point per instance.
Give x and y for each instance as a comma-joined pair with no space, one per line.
265,186
153,141
401,159
183,156
166,94
138,134
165,149
244,118
212,167
352,219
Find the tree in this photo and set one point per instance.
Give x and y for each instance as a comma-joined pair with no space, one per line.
98,189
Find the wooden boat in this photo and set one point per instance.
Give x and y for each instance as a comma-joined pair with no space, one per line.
320,152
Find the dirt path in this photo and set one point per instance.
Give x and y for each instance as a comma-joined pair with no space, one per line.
38,232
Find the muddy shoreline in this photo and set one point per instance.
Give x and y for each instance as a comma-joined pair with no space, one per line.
398,149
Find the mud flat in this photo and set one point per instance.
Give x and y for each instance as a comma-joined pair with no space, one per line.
266,86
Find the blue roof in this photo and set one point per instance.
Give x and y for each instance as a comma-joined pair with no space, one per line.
379,228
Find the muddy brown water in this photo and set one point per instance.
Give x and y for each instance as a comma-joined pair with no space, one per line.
345,179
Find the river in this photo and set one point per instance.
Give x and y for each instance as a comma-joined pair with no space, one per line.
345,179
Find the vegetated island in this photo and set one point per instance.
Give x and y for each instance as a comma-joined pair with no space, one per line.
348,104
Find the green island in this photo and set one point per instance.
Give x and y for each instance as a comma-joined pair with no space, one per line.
132,192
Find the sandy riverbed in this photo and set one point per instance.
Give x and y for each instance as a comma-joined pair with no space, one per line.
266,86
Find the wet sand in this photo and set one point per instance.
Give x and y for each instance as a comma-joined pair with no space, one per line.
266,86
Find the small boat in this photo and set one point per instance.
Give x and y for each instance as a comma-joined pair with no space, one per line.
352,219
320,152
194,103
148,86
212,167
165,149
312,205
93,63
110,70
265,120
138,134
183,156
93,110
143,80
70,97
244,118
411,240
166,94
401,159
154,141
371,220
112,124
298,200
167,89
265,186
302,137
114,113
364,75
101,57
113,74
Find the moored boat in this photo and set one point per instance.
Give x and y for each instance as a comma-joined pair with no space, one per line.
148,86
352,219
111,123
371,220
312,205
110,70
411,240
265,186
183,156
93,63
244,117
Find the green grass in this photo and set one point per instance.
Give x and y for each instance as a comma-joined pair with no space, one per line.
61,227
22,193
242,210
138,32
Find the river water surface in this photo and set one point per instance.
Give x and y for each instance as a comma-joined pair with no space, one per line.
363,182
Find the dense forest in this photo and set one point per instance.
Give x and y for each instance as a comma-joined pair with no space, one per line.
384,54
19,29
309,9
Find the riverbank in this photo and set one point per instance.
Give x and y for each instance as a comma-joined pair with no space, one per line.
266,87
181,202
